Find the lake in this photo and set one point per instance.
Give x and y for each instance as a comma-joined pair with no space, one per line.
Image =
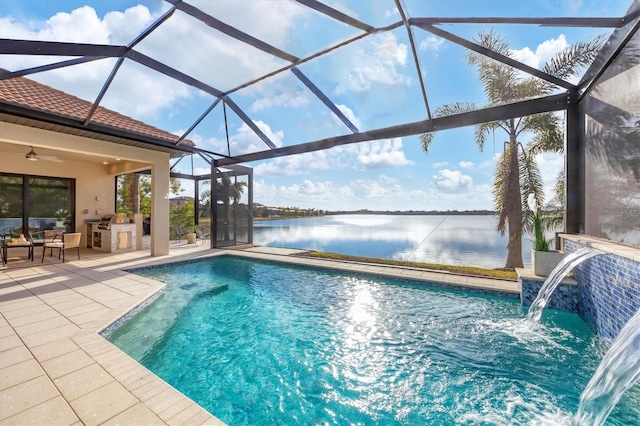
446,239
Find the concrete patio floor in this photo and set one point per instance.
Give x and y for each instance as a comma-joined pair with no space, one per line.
55,369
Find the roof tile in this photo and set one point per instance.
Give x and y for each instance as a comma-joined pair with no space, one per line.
27,93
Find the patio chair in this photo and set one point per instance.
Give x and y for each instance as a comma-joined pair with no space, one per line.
202,233
180,231
69,241
39,238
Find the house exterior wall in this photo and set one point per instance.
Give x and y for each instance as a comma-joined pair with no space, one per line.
95,182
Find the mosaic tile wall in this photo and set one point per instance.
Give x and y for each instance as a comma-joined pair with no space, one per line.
608,291
564,297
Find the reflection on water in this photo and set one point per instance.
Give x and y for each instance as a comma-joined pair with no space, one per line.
454,240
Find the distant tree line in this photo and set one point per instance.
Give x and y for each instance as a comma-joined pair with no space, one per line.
262,211
417,212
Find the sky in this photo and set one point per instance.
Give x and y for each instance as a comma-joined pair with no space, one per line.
374,82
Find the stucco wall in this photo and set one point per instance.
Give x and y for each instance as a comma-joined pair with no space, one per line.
95,187
95,182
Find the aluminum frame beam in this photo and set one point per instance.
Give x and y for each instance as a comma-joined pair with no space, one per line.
497,56
617,42
414,52
533,106
233,32
325,100
337,15
545,22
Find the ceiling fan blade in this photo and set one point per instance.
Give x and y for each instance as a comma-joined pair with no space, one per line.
48,158
33,156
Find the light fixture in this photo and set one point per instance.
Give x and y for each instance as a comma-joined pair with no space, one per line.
105,162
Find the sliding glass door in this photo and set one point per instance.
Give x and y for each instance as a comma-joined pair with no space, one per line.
49,205
35,203
11,196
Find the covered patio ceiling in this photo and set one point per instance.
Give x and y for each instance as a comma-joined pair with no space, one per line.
321,56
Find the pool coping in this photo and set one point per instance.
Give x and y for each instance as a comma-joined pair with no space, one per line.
58,369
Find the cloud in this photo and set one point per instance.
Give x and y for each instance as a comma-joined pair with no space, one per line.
544,52
550,165
382,153
433,44
242,141
348,112
82,25
205,55
391,13
289,100
375,60
439,164
466,165
327,195
381,193
294,164
452,181
367,155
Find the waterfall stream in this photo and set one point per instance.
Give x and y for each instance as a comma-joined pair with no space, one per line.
617,372
558,273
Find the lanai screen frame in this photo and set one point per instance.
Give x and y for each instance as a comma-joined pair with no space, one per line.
624,28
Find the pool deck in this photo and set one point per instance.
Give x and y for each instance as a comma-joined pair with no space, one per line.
55,368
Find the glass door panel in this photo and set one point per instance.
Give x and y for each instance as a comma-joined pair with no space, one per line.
11,189
49,204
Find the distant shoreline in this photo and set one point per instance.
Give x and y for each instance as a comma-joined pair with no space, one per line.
385,213
418,212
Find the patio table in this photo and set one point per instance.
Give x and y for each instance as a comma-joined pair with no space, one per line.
7,245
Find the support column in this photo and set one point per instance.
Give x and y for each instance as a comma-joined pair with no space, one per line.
159,208
250,202
574,170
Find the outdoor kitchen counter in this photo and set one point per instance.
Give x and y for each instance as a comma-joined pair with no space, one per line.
119,237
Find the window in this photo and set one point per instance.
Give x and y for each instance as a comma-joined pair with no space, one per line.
35,203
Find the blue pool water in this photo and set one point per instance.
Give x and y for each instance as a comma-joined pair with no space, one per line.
263,343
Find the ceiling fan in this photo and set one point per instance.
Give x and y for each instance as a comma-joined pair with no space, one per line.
32,156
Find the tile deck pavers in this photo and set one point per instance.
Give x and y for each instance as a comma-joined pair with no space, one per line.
55,368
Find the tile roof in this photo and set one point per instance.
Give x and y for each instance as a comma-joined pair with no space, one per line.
27,93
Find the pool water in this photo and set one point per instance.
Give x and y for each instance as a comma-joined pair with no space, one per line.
266,343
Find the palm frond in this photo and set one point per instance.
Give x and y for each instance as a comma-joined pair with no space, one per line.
454,108
570,60
548,130
442,111
554,210
497,78
425,141
500,190
482,132
530,183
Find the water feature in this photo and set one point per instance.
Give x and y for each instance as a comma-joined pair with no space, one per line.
553,280
619,368
618,371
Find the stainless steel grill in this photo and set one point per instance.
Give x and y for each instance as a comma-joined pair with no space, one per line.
106,220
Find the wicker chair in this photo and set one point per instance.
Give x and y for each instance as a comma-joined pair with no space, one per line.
69,241
202,233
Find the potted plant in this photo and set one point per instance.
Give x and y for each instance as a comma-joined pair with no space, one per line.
543,260
61,215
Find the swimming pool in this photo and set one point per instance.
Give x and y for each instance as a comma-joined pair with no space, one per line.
268,343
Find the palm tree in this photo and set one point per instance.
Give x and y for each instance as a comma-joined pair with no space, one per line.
226,191
516,173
